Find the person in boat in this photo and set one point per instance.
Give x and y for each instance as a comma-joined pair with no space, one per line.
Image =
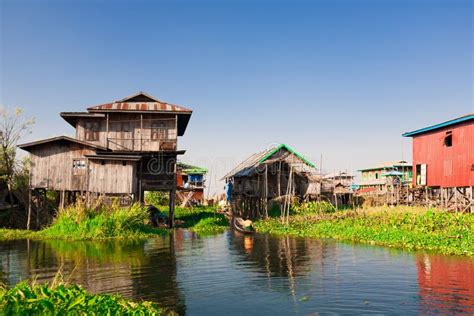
247,225
156,216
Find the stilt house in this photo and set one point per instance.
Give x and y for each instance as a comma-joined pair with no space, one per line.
121,148
190,184
270,174
443,162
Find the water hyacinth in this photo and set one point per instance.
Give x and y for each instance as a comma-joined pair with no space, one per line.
411,228
61,299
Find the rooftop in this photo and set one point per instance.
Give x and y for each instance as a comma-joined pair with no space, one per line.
388,164
458,120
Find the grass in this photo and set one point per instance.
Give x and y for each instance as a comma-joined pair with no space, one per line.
411,228
78,222
202,220
61,299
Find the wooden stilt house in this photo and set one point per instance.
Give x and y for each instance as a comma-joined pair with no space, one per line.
122,149
274,173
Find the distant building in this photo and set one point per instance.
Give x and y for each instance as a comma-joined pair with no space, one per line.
377,178
190,184
338,187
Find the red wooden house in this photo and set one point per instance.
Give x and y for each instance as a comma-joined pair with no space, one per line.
443,156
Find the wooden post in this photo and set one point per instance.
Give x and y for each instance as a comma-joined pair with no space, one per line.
266,191
141,131
107,131
171,206
28,222
472,200
279,179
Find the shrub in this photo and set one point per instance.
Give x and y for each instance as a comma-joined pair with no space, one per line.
310,208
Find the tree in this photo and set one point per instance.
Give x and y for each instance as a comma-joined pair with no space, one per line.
13,126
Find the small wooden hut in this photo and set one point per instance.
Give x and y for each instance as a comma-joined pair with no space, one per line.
276,173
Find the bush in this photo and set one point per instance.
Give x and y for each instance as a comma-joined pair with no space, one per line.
157,198
311,208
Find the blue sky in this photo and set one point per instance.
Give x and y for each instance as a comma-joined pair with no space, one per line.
339,78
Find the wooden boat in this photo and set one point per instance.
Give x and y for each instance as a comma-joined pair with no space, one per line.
238,225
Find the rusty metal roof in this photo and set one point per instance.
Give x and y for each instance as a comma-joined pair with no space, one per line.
140,102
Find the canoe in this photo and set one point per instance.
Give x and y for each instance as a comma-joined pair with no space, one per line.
238,226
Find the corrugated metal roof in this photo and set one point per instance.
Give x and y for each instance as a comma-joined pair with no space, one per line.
388,164
59,138
140,107
458,120
146,103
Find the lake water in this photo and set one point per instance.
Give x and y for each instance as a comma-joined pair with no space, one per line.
233,274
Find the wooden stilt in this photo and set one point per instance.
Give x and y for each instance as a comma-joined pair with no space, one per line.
28,222
171,205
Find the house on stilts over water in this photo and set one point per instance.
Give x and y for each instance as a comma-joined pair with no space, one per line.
121,149
276,174
443,163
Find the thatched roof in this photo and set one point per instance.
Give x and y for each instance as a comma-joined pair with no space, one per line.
271,155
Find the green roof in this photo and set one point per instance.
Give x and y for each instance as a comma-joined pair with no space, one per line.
283,146
190,169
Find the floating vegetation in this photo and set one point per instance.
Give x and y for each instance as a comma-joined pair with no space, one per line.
62,299
411,228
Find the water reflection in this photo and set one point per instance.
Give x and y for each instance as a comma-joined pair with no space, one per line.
257,275
446,284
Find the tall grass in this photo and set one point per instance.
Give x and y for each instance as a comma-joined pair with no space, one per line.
81,222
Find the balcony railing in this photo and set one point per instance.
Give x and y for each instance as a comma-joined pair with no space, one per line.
141,144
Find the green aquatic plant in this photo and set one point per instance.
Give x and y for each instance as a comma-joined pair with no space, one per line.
61,299
81,223
410,228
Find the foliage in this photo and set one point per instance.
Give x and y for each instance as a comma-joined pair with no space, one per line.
309,208
410,228
211,225
13,126
61,299
157,198
201,219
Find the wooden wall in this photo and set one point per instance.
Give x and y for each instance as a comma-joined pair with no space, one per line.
132,131
52,169
112,177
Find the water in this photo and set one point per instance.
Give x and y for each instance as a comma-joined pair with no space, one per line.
233,274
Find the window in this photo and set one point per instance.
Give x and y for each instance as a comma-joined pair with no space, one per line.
448,139
376,175
79,167
91,131
159,131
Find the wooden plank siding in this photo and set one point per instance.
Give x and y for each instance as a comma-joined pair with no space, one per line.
112,177
52,166
131,131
